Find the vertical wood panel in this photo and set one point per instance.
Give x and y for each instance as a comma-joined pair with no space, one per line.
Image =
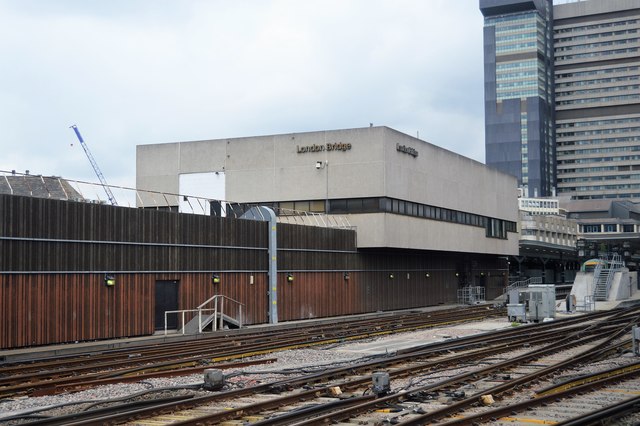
52,291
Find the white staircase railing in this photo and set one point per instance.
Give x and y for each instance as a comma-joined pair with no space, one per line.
603,275
523,283
205,316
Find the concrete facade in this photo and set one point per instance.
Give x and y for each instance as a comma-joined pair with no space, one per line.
404,177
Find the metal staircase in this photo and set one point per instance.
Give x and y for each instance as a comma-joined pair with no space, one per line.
517,285
524,283
214,316
603,275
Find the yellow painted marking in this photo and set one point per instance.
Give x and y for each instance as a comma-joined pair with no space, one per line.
579,382
175,417
628,392
526,420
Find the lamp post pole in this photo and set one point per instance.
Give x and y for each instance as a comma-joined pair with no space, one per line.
326,200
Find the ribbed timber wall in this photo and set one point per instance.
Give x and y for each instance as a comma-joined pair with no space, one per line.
54,256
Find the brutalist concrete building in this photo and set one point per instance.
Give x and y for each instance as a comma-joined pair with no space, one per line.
398,191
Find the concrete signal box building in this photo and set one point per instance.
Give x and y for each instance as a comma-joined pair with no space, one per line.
399,192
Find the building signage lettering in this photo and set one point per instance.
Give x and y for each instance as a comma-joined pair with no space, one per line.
407,150
338,146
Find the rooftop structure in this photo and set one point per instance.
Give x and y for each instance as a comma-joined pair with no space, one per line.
38,186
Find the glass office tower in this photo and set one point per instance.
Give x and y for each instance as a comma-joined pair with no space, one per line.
519,95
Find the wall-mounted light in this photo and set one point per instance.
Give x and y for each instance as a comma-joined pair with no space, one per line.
457,274
426,275
319,164
109,280
215,278
482,274
346,276
391,276
289,278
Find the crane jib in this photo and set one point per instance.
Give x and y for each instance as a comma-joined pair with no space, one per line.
96,169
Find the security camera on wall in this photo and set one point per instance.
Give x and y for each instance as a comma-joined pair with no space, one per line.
318,164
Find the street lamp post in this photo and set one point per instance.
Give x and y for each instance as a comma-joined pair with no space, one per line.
325,165
326,200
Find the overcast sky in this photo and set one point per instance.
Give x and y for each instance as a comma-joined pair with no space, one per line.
131,72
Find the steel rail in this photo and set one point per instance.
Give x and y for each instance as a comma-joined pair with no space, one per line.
425,419
607,415
59,380
434,350
383,320
280,386
432,416
227,415
617,374
590,354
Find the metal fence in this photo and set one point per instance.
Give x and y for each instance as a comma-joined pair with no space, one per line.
471,295
59,188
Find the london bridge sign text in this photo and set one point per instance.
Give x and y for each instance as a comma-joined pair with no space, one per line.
338,146
407,150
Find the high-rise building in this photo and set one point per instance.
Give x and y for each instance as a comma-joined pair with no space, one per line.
597,80
562,95
518,87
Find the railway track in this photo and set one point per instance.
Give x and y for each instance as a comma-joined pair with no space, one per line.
80,371
437,383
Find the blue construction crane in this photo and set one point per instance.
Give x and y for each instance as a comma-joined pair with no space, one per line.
96,169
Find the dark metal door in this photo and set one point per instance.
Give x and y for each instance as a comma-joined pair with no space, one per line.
166,300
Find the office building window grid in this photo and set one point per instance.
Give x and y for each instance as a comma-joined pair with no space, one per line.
519,33
598,65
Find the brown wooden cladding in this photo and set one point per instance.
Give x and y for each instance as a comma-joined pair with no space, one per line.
29,217
51,235
314,295
53,256
40,309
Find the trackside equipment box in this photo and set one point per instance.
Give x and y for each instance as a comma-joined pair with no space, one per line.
542,302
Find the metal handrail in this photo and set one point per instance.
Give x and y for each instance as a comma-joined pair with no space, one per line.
215,299
524,283
613,265
221,298
8,183
218,300
183,312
